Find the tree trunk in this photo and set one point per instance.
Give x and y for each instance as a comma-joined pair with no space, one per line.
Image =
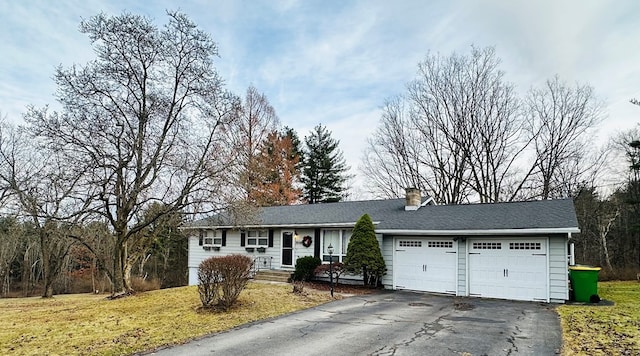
126,275
603,229
118,275
47,290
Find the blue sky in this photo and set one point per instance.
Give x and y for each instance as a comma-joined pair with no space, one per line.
335,62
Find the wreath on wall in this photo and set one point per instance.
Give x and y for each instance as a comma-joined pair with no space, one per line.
306,241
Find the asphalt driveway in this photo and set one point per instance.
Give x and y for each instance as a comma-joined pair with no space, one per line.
394,323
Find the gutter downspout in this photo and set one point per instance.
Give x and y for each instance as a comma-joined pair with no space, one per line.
572,252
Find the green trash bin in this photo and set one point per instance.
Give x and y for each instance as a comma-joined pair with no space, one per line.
584,281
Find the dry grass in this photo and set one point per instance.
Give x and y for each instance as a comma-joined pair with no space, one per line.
90,324
604,330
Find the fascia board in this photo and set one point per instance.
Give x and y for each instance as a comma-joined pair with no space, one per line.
481,232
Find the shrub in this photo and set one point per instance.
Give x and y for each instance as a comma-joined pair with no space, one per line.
363,253
140,284
221,279
305,267
298,287
338,270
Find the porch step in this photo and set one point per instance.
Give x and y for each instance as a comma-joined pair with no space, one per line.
273,275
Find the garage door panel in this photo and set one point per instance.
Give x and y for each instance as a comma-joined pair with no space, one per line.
426,265
510,269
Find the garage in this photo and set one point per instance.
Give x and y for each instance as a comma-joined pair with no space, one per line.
508,268
428,265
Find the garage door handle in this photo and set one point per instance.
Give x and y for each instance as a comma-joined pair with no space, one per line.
538,254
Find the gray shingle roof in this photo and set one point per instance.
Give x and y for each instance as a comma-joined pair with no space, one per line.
390,215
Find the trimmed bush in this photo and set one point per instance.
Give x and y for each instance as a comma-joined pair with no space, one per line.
221,279
363,254
305,267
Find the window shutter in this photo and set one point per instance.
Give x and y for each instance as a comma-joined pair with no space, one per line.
270,237
201,240
316,243
243,236
224,237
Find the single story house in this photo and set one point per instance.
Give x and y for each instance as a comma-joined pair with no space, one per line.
515,250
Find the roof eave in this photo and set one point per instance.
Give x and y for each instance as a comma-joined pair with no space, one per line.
488,232
267,226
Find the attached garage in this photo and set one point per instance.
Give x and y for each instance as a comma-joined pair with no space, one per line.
508,268
495,267
426,264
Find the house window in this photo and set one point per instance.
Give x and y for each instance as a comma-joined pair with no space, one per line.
212,238
258,238
339,239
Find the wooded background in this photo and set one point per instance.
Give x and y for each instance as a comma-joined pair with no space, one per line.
93,196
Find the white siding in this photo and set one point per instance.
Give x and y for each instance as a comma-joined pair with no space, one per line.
197,253
558,279
386,246
298,248
462,268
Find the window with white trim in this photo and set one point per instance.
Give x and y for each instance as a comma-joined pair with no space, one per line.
212,238
257,238
339,240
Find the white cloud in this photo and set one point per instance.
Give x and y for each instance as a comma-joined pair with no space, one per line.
336,62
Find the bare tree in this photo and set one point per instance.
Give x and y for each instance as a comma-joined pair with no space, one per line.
559,119
11,241
143,121
457,134
461,134
392,159
256,120
41,188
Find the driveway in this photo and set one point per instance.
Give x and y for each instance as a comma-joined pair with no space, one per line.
394,323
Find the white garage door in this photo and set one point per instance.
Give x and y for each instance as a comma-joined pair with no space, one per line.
425,264
508,269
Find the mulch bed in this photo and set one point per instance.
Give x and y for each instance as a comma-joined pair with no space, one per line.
340,288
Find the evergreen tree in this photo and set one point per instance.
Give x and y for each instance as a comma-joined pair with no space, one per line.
363,252
276,170
324,171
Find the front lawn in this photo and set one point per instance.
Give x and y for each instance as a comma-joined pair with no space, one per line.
90,324
604,330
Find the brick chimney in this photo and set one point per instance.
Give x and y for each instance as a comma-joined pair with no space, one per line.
413,199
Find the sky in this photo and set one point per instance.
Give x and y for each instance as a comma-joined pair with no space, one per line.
335,62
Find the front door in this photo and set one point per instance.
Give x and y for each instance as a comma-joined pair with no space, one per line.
287,249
